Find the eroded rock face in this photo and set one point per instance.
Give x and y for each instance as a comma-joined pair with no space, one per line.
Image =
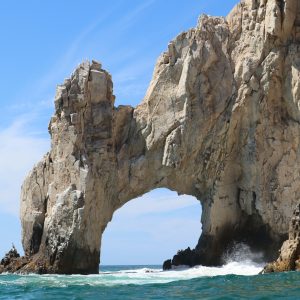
220,121
12,262
289,258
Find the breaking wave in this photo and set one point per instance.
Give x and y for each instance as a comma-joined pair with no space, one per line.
138,282
238,261
134,275
148,275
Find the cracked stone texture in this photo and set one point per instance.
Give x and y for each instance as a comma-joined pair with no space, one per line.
220,121
289,258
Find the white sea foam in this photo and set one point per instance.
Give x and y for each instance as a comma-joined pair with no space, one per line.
238,261
138,276
144,276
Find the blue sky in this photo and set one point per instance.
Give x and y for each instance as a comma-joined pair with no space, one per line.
41,43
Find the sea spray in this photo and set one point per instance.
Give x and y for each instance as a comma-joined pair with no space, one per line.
46,287
114,282
133,275
150,282
241,252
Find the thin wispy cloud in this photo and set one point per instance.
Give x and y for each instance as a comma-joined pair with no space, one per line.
107,34
19,151
129,19
151,204
66,61
27,105
133,70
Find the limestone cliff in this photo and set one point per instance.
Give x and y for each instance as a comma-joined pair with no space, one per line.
220,121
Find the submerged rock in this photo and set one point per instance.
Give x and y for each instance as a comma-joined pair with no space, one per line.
220,121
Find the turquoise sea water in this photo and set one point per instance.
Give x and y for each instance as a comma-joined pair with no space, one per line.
150,282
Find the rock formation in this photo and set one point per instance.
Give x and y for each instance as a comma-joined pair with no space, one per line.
12,262
185,257
289,258
11,254
220,121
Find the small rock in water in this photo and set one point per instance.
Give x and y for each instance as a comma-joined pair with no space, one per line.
12,262
167,265
9,256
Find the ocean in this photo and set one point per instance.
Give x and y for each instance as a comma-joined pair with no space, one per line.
235,280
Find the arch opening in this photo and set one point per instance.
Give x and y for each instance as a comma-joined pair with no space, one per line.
149,229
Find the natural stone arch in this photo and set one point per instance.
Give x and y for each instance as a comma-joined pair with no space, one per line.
219,122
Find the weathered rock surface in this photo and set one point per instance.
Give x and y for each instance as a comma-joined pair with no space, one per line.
12,262
10,255
289,258
220,121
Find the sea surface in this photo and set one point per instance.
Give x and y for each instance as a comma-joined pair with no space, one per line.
235,280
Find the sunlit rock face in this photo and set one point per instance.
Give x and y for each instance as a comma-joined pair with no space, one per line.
220,121
289,258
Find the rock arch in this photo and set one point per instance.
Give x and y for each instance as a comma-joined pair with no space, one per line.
220,121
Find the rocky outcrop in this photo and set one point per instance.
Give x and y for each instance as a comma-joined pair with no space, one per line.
10,255
185,257
289,258
12,262
220,121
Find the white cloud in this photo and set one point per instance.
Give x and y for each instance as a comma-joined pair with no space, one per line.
133,70
35,107
160,202
19,151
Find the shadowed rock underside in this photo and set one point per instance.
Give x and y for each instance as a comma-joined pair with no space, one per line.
220,121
